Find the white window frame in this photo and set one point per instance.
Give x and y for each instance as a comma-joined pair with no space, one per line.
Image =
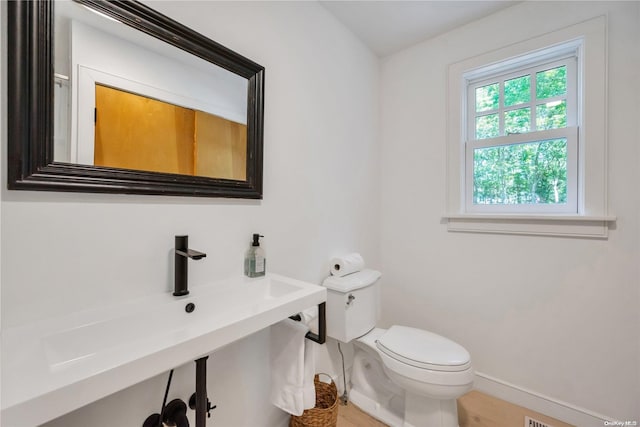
563,55
590,218
570,60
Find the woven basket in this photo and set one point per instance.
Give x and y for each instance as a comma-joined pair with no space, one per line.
325,413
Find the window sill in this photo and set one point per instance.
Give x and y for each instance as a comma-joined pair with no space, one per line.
586,226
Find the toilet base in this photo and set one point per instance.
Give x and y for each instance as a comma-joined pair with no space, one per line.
377,395
422,412
429,413
380,412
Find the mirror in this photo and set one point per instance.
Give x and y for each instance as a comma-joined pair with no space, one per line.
135,103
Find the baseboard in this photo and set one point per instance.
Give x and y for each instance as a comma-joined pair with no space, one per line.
538,402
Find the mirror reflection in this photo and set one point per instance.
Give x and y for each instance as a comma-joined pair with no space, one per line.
126,100
137,132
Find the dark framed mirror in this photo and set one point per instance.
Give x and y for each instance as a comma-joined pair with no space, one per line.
35,162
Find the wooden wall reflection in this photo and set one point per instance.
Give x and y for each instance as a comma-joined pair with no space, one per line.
140,133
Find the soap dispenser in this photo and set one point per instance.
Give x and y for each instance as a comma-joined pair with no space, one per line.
254,260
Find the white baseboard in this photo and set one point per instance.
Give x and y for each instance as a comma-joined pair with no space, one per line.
549,406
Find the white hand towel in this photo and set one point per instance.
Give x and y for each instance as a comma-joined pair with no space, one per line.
310,318
292,367
308,386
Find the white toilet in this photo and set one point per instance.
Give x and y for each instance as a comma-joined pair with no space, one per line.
405,377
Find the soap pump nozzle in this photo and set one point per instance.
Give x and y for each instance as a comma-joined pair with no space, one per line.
256,239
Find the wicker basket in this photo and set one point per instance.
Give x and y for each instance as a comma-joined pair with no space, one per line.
325,413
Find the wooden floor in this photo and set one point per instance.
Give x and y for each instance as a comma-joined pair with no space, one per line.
475,409
352,416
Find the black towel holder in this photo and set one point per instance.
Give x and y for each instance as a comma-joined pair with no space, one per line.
321,336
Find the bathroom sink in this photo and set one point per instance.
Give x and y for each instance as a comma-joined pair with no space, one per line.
61,364
164,320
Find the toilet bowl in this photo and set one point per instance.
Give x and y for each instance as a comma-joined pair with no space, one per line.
420,393
425,363
403,376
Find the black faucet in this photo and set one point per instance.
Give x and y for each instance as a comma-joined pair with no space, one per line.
183,253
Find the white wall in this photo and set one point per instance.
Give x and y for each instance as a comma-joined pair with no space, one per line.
66,252
556,316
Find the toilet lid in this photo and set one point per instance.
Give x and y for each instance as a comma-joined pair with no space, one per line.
423,349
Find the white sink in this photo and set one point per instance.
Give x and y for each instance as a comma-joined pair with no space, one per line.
153,322
56,366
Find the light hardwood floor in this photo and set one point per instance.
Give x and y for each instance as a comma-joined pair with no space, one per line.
475,409
352,416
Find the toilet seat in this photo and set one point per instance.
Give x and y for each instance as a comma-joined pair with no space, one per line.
437,383
423,349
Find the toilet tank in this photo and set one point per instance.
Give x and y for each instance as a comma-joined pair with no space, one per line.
353,304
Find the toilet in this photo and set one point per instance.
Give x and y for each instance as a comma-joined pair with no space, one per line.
403,376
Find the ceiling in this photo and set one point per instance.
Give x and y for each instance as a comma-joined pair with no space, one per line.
389,26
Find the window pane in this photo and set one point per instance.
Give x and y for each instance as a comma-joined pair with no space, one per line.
528,173
517,121
487,126
487,97
551,115
517,91
551,82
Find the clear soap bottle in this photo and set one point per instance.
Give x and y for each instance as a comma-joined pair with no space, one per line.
254,260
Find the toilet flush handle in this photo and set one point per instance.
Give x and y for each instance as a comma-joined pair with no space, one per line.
350,299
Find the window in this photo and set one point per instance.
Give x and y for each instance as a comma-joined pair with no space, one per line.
521,143
527,136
